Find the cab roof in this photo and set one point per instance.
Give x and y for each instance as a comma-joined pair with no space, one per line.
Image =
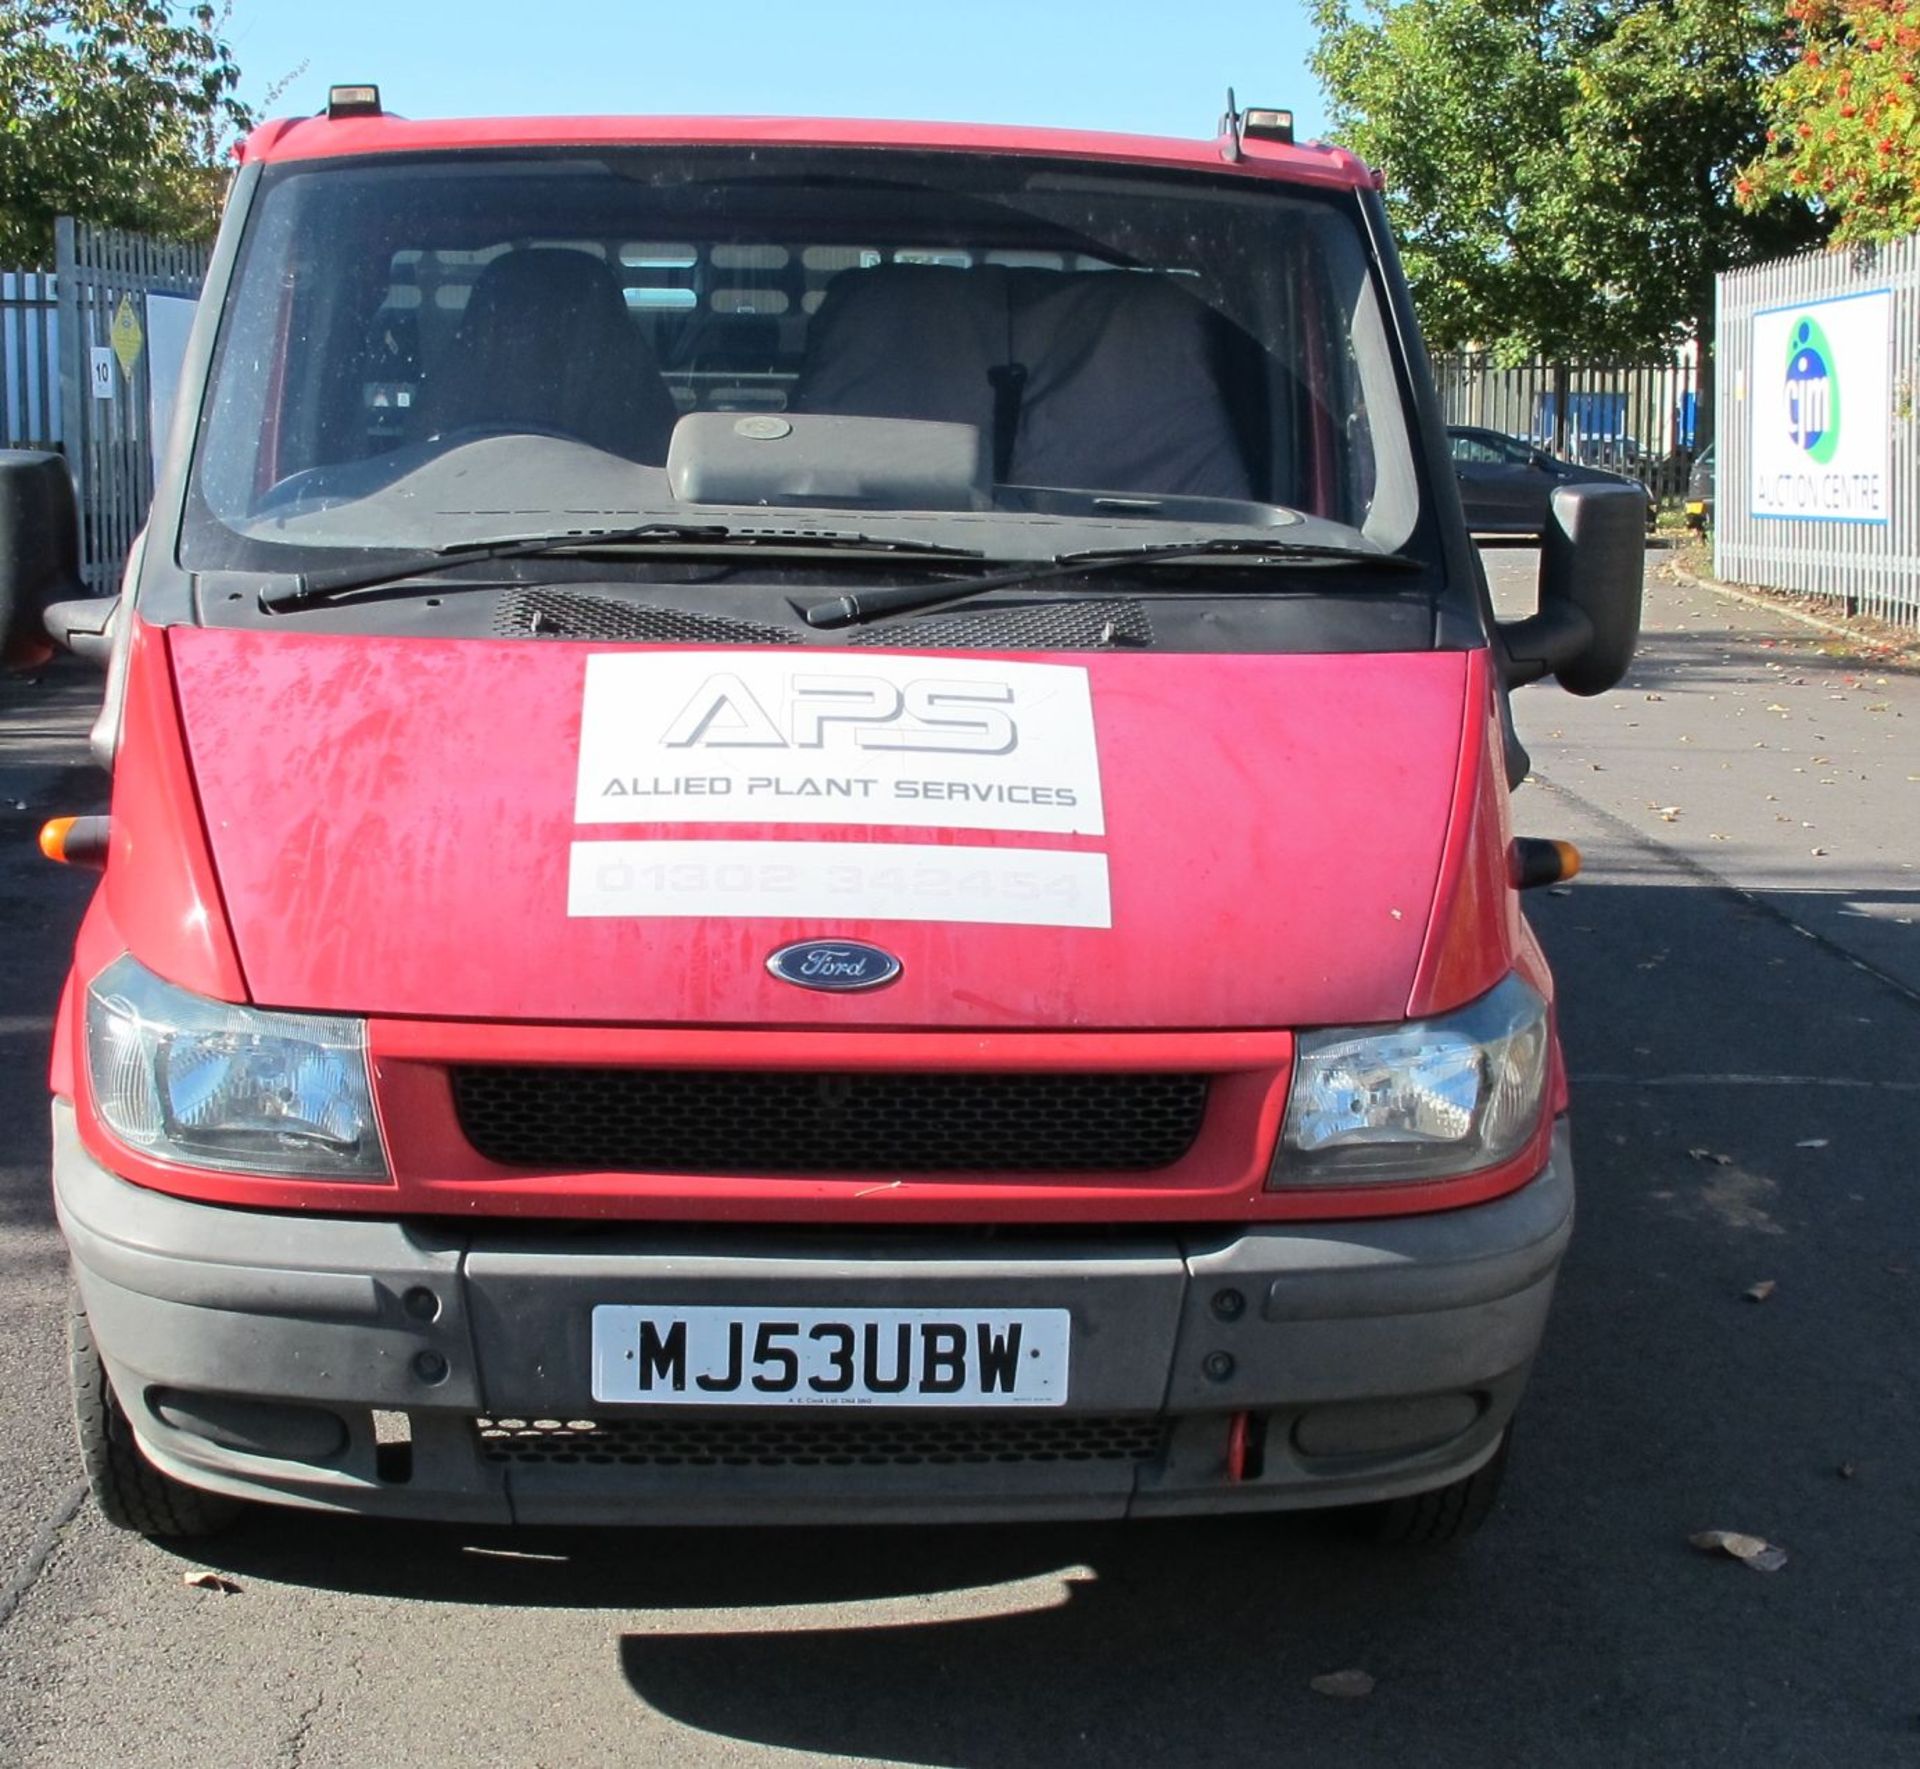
321,138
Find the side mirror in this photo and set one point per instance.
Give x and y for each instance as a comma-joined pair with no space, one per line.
1593,559
39,549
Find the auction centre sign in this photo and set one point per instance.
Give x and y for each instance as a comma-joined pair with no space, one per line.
1821,440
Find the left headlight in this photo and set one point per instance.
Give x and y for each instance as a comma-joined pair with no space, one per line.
187,1079
1429,1100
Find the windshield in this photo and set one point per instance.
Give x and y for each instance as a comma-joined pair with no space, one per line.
423,352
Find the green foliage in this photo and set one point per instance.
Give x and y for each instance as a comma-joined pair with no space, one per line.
1846,119
1561,173
112,111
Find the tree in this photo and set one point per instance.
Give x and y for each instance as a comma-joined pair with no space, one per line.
1562,173
107,108
1845,119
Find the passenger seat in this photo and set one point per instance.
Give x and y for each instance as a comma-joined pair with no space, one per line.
1095,380
908,341
1122,388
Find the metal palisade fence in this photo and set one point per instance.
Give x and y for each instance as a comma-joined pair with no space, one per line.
29,361
119,295
1636,418
1817,481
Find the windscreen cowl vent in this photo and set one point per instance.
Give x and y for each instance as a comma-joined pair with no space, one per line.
1035,626
567,614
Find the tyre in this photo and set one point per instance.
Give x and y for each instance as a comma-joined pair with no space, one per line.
1439,1518
130,1491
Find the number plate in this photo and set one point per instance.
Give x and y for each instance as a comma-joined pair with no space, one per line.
830,1357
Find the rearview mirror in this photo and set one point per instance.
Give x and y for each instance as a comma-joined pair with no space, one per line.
39,549
1592,569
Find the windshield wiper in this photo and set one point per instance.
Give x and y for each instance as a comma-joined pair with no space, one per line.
322,586
850,610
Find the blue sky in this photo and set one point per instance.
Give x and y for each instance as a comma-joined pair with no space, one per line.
1154,66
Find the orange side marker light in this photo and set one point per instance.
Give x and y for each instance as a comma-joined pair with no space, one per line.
75,841
1532,862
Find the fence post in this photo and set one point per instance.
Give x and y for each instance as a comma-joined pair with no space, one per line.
73,368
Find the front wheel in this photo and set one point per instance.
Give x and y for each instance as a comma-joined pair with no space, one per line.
130,1491
1439,1518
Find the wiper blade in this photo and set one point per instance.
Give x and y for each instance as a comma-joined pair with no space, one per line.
850,610
323,586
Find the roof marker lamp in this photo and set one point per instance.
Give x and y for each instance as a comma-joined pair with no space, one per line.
1433,1099
352,101
182,1078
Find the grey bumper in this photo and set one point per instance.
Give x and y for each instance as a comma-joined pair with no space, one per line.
343,1364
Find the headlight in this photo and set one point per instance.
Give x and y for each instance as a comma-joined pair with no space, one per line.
1423,1101
187,1079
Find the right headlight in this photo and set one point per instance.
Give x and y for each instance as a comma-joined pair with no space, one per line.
246,1090
1428,1100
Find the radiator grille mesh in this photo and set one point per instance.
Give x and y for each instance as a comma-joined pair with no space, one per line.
780,1121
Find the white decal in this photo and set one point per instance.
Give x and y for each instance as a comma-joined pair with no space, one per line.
919,742
1820,422
839,882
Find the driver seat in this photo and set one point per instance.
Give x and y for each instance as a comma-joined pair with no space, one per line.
546,344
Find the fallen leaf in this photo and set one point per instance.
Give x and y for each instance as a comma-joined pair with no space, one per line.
1669,813
1348,1685
1709,1155
1846,1471
1754,1551
1761,1291
209,1581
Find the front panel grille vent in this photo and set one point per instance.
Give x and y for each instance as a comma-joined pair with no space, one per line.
765,1121
1039,626
853,1440
568,614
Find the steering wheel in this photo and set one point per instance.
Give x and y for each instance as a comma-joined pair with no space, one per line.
461,434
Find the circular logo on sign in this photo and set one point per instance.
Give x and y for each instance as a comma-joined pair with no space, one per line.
1813,391
836,965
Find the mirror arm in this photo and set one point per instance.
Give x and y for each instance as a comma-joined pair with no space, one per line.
84,627
1532,649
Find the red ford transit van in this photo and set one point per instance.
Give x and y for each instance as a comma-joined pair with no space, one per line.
810,822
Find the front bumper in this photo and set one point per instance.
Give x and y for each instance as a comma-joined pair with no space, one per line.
344,1364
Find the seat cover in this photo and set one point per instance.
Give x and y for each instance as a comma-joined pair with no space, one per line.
908,341
546,343
1122,392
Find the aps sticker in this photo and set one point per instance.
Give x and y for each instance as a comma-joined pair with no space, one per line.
937,743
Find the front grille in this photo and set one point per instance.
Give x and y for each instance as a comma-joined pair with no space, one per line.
855,1440
776,1121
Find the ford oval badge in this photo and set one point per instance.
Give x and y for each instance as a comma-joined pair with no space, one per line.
834,964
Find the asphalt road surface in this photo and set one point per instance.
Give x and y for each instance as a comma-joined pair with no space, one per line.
1740,986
